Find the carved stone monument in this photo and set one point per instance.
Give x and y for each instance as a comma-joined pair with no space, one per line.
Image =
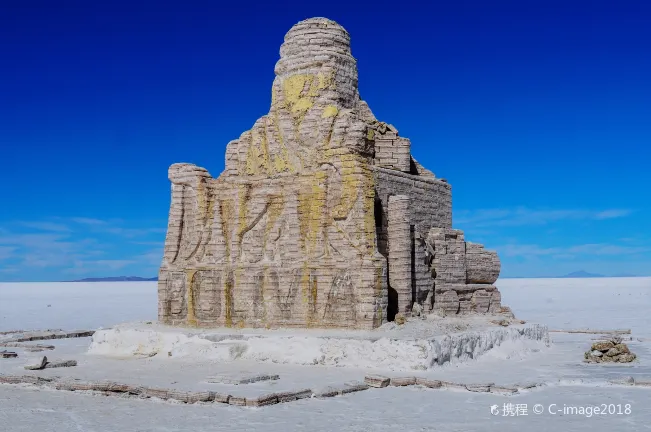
321,218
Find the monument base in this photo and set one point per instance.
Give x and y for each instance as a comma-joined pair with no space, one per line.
417,345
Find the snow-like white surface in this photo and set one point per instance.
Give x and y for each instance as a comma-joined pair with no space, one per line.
578,303
380,352
558,303
75,305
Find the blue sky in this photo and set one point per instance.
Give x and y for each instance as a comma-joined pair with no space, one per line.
536,112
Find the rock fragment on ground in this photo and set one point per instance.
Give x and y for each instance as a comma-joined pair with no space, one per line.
39,364
612,350
377,381
65,363
8,354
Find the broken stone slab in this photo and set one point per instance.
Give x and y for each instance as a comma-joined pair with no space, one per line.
10,379
503,389
75,385
377,381
479,388
221,397
245,378
237,401
29,337
40,364
8,354
265,400
327,392
643,382
590,331
453,385
629,380
65,363
354,386
26,346
293,395
402,381
35,349
156,393
527,385
429,383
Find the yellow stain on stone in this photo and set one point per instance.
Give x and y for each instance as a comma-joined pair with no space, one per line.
191,318
350,185
227,212
276,206
264,151
312,211
243,196
368,204
293,88
370,134
330,111
228,302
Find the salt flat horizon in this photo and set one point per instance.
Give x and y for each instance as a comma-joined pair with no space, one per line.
603,303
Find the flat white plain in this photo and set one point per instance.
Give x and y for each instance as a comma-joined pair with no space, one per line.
559,303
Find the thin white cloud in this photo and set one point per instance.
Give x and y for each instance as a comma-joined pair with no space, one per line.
88,221
46,226
523,216
6,252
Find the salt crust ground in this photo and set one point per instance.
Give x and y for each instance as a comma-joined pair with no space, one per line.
417,345
559,303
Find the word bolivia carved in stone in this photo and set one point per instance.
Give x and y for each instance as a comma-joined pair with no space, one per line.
321,218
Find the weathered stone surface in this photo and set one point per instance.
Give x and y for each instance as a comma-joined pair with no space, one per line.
39,364
479,388
447,302
237,400
293,395
377,381
622,348
327,392
480,301
58,364
482,266
603,346
265,400
316,203
627,358
403,381
429,383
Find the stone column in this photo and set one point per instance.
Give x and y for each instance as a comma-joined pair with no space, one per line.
400,251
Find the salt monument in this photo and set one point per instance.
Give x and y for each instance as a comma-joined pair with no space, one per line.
321,218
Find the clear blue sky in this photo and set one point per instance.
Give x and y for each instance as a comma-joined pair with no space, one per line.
537,112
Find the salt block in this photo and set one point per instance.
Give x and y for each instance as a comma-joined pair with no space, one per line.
66,363
403,381
428,383
243,378
40,364
377,381
264,400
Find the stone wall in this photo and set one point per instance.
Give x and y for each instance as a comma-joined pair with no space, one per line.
295,232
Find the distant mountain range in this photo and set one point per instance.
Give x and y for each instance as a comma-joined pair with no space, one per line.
117,279
585,274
